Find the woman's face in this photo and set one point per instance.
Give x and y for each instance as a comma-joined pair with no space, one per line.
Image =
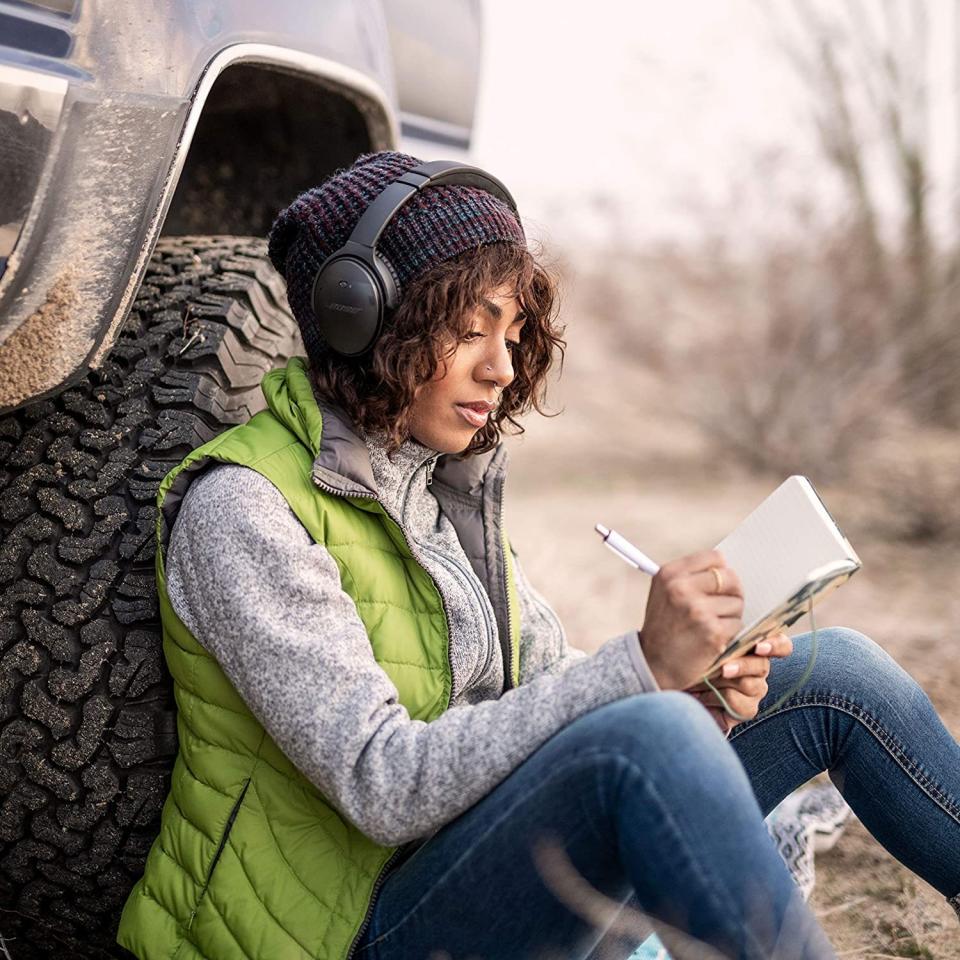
448,410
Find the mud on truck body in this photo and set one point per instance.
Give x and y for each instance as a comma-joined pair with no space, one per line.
144,151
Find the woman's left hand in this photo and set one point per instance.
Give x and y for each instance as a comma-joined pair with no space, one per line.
743,682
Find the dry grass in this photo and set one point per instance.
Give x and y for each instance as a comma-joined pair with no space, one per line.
870,904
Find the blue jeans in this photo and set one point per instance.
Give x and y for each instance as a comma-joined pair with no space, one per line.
651,806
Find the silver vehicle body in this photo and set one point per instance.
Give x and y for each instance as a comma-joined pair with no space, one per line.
101,103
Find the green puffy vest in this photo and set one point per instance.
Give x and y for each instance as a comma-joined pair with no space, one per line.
251,861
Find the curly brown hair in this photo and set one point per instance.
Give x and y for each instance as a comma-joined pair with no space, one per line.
377,390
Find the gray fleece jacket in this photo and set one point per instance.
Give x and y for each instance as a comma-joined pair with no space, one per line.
248,581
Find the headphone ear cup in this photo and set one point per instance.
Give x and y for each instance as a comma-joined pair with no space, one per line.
348,303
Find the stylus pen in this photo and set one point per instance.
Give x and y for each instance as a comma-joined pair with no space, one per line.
624,549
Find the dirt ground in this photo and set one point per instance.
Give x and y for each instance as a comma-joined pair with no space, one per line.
617,455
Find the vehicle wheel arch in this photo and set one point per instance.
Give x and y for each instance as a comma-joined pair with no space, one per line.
298,126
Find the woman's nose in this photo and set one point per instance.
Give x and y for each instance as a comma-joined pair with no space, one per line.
498,366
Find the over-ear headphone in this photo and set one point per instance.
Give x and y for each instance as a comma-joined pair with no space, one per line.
355,290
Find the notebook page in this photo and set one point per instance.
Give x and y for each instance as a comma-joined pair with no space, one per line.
789,535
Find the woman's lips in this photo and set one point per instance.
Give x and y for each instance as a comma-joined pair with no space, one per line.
474,417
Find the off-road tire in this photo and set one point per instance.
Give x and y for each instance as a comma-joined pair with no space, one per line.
87,729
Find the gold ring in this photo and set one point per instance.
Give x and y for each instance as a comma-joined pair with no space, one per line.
719,578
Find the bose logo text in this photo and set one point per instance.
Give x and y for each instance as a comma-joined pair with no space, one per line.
343,307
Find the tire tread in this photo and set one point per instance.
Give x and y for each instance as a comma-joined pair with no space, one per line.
88,722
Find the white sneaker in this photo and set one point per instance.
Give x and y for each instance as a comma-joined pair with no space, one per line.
810,820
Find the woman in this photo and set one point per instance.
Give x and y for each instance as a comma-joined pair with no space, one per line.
382,728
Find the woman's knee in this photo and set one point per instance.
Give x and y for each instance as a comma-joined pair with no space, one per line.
849,665
667,737
636,724
845,650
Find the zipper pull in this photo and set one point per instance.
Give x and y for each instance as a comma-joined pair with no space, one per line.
430,465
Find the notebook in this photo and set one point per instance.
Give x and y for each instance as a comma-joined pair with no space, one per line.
788,552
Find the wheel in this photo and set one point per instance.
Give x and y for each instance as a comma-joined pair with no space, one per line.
87,729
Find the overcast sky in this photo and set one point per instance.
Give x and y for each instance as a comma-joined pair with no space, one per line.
663,107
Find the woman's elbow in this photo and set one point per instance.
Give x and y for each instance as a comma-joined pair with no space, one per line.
385,821
388,832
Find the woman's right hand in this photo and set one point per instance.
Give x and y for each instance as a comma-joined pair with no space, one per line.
687,622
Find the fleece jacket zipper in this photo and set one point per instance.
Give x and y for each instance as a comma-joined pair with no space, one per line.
460,572
490,626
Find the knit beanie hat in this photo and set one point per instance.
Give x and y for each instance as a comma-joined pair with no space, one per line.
434,226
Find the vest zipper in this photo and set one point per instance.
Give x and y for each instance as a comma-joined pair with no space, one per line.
223,842
373,898
226,830
508,671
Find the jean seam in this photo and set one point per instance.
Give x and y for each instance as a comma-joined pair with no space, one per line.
879,732
714,886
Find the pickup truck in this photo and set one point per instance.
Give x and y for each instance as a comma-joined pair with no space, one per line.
144,150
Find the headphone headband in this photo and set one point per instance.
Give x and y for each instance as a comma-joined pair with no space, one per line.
354,288
432,174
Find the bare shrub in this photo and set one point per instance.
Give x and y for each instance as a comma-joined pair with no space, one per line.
866,65
799,376
911,477
791,359
783,356
931,355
